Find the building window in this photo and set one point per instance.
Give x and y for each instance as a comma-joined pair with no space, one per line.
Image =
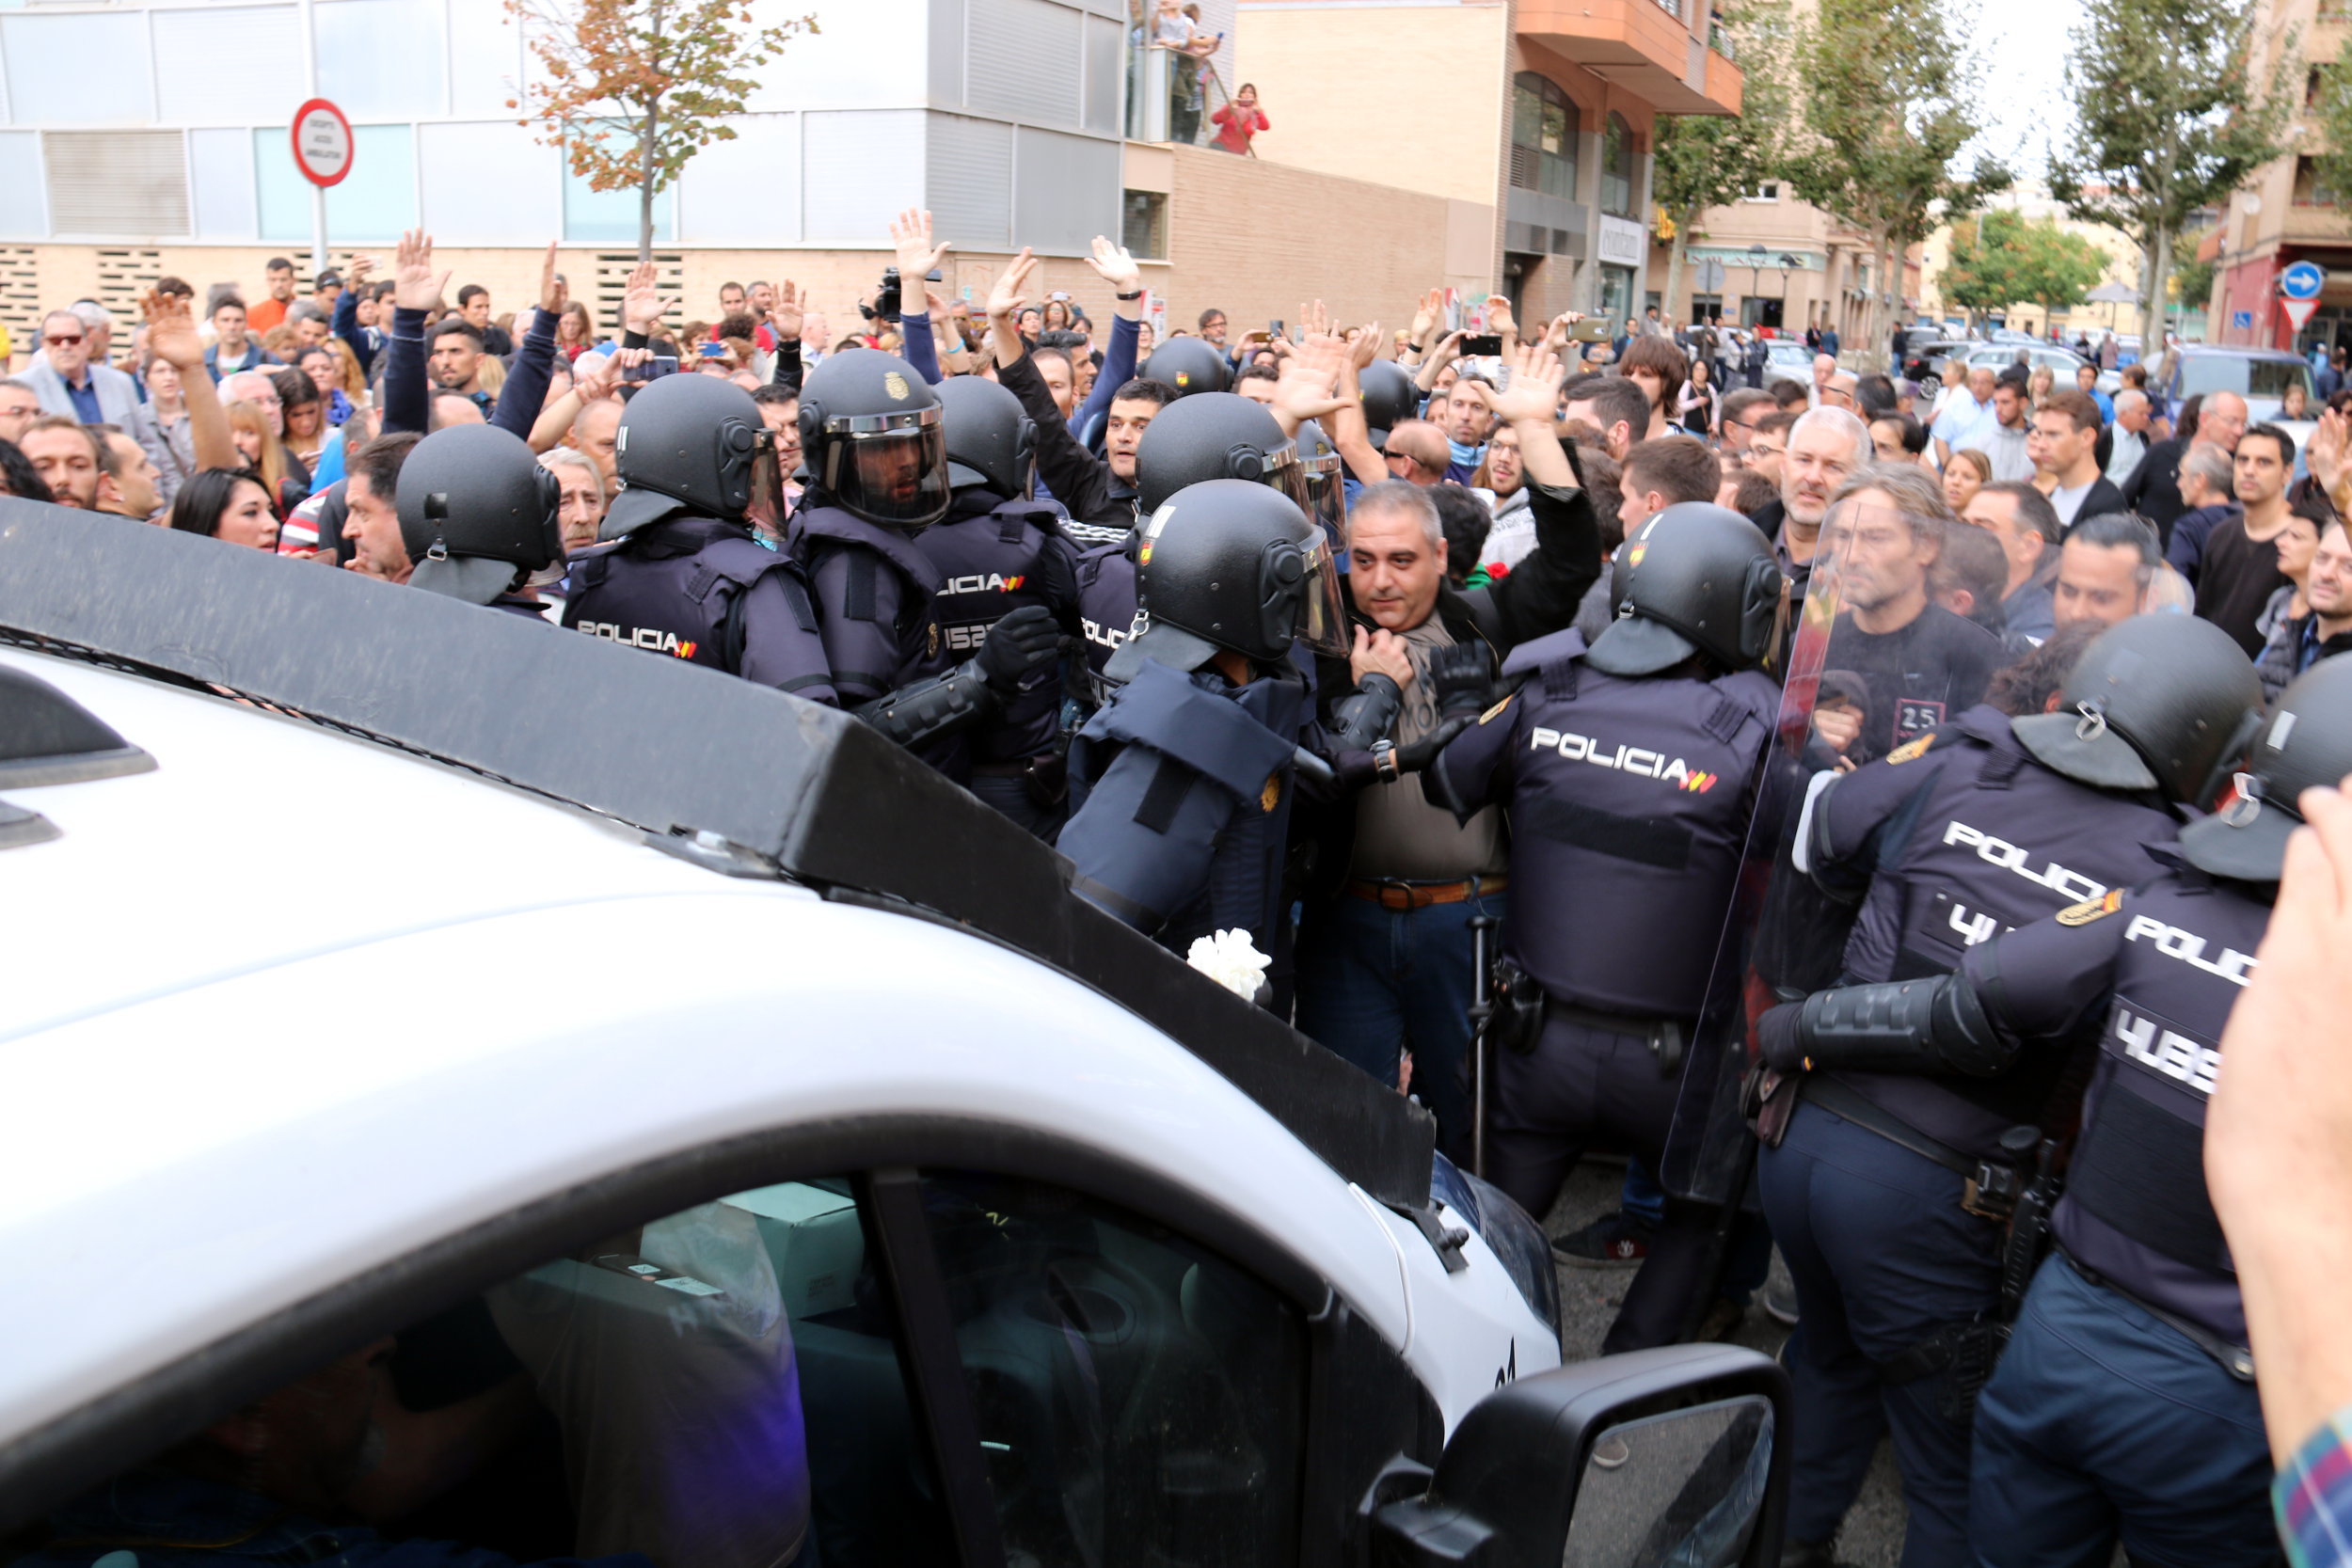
1544,126
2308,192
1767,191
1143,224
1616,167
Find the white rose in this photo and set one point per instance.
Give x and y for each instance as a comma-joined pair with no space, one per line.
1231,960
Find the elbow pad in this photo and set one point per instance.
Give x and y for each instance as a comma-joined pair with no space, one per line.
914,714
1368,715
1903,1026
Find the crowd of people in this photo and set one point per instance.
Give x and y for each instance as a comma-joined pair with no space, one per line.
1938,747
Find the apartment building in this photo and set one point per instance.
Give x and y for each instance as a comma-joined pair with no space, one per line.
2283,215
1533,121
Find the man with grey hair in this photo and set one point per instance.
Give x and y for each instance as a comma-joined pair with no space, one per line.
1921,664
67,382
310,325
2208,481
20,400
98,324
2128,435
1385,948
1826,446
584,494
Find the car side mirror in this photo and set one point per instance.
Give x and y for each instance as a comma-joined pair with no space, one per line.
1674,1456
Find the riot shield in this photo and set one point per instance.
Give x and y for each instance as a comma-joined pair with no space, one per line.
1875,664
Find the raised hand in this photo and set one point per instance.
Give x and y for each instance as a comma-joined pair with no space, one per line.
1115,267
784,315
1533,395
595,376
1006,297
171,332
357,274
641,304
910,236
1308,386
1426,318
554,294
1501,322
414,285
1363,343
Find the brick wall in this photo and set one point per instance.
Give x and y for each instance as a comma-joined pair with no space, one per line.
1255,239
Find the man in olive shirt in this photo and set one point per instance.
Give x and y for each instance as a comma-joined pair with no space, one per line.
2240,570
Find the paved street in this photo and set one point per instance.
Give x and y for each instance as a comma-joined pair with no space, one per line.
1589,1297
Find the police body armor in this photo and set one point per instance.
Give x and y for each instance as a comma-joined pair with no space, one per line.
707,591
1106,602
993,560
1989,839
1629,809
2135,1211
876,595
1184,770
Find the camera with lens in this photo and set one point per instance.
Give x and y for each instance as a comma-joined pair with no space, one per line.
887,300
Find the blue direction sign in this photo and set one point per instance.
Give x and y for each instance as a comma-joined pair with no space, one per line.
2301,281
2241,319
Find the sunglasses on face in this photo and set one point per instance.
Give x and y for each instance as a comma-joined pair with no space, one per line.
62,343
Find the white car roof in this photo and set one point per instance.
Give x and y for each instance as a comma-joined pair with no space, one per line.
294,1006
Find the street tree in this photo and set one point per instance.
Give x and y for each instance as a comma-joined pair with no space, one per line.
634,88
1703,161
2171,113
1886,99
2000,259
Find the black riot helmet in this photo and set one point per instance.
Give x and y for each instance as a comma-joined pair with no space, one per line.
2304,743
477,511
1215,436
870,432
2157,702
991,441
1389,398
1694,578
1236,565
690,443
1189,365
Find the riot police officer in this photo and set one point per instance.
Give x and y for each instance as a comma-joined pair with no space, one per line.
1208,435
1184,779
877,458
2124,1401
1876,1184
996,550
1629,770
1190,365
479,516
678,569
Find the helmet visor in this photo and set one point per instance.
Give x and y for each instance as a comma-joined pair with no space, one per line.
897,478
766,509
1284,472
1322,624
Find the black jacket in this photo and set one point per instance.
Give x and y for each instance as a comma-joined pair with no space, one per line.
2104,497
2154,490
1080,481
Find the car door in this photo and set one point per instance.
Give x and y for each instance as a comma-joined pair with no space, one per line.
875,1361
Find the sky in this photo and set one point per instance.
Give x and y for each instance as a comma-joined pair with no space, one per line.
2022,45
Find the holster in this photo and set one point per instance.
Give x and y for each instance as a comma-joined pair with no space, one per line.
1768,1098
1518,1020
1048,779
1967,1352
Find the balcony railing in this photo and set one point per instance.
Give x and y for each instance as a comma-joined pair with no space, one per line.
1171,94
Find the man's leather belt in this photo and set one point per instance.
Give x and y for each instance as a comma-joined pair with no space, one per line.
1420,895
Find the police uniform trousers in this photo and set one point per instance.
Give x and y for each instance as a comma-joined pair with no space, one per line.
2103,1420
1586,1086
1375,982
1010,793
1883,1257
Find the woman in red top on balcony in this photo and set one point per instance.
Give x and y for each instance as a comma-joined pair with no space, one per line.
1239,121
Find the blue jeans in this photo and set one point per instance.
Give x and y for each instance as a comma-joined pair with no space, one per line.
1882,1255
2103,1420
1375,982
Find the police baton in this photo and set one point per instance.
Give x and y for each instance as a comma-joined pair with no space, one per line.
1482,1008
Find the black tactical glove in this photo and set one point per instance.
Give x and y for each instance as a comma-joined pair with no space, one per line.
1024,639
1462,680
1781,1034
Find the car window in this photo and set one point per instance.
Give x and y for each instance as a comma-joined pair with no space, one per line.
728,1387
1140,1400
2245,376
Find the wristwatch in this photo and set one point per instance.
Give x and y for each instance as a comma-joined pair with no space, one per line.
1137,294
